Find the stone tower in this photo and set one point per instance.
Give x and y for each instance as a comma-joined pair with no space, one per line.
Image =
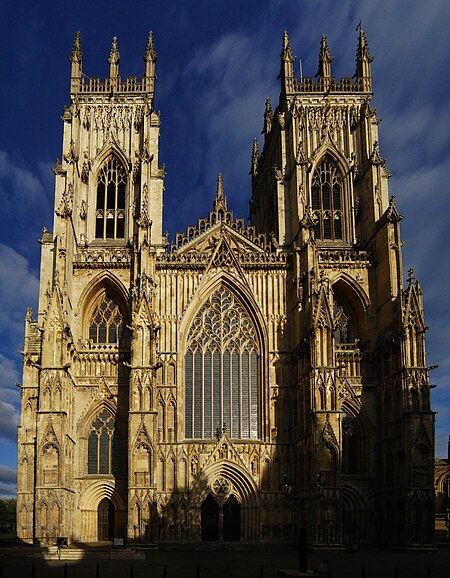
171,392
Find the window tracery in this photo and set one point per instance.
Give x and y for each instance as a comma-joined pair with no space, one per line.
221,370
106,323
341,324
103,445
110,207
326,201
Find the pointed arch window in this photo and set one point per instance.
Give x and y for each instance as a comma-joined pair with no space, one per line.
326,201
222,370
341,324
106,324
103,445
110,207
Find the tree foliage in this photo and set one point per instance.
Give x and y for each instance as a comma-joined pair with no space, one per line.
8,515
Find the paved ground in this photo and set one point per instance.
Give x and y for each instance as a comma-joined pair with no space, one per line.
234,564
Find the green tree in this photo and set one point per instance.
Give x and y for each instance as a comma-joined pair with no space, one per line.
8,515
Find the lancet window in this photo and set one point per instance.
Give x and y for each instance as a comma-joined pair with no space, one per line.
103,445
110,207
326,201
222,370
106,324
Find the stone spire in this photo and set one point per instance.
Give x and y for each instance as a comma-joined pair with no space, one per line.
363,60
150,58
268,116
325,59
114,59
287,64
220,202
76,58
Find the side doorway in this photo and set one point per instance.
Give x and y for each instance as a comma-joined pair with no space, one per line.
106,515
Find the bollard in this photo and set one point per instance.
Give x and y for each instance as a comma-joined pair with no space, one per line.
1,568
131,571
261,572
363,572
33,570
198,572
395,571
97,571
165,571
65,569
428,571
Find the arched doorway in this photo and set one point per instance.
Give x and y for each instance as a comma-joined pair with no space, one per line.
105,520
210,519
231,520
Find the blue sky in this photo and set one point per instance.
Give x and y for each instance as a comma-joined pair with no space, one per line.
217,63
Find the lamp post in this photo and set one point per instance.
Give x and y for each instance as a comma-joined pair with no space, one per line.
315,493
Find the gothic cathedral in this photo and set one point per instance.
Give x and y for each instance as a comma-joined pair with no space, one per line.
223,385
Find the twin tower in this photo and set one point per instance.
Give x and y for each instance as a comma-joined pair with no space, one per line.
220,387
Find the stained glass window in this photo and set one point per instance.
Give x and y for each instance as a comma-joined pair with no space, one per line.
106,323
103,446
222,370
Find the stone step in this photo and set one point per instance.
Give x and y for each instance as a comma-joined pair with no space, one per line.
53,553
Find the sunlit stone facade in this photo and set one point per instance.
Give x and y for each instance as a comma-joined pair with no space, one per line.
170,390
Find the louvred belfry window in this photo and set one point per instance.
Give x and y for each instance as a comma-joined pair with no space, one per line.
326,201
106,323
222,370
110,208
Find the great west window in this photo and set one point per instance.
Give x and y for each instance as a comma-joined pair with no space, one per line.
222,370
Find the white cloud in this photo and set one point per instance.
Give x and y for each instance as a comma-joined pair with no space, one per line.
18,290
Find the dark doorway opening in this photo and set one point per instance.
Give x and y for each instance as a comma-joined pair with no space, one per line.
105,520
210,519
231,520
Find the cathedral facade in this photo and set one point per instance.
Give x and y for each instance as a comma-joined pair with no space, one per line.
224,385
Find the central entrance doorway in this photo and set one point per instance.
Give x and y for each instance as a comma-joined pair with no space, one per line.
105,520
221,522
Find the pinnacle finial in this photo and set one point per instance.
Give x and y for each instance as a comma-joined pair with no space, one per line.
411,276
114,59
268,116
77,54
286,53
220,202
255,157
150,52
363,59
114,56
325,59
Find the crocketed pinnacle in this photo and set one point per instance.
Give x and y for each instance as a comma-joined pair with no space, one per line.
114,56
220,202
150,52
77,54
286,53
325,59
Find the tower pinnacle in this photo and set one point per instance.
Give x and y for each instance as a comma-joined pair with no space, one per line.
363,60
287,61
325,59
76,59
150,58
114,59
